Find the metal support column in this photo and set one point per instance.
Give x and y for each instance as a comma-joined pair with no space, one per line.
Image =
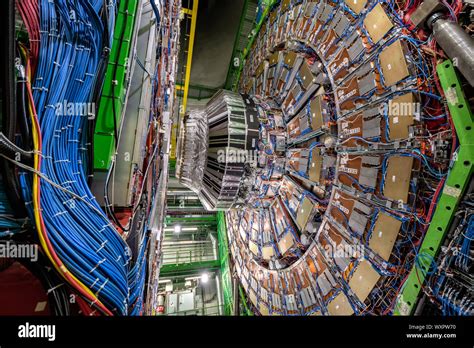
456,183
193,13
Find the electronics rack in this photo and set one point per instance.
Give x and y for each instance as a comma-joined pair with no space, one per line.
163,106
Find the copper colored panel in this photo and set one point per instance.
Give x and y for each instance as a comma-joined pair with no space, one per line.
327,46
340,305
267,252
316,113
290,58
346,94
306,75
285,5
253,248
315,166
363,280
274,58
286,243
384,235
377,23
401,112
397,179
340,64
304,212
352,127
356,5
393,63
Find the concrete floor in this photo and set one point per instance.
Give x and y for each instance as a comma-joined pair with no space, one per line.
217,25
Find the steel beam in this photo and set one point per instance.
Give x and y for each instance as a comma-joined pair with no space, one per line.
115,86
187,77
184,268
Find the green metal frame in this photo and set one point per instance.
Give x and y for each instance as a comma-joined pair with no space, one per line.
456,183
235,82
232,68
114,90
184,87
183,268
224,263
243,299
207,220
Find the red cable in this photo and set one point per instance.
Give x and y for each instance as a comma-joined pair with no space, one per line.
29,12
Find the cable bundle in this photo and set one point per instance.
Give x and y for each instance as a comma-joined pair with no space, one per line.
9,225
76,234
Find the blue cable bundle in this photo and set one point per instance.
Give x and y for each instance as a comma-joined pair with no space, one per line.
9,225
137,278
81,234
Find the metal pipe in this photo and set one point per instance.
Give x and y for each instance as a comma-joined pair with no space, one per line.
456,43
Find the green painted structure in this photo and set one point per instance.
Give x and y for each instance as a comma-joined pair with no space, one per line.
455,185
114,91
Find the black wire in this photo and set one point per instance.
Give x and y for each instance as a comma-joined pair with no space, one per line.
54,286
23,113
8,105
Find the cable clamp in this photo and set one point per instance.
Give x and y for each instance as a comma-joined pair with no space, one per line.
101,287
97,265
54,288
69,200
102,246
60,213
93,302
